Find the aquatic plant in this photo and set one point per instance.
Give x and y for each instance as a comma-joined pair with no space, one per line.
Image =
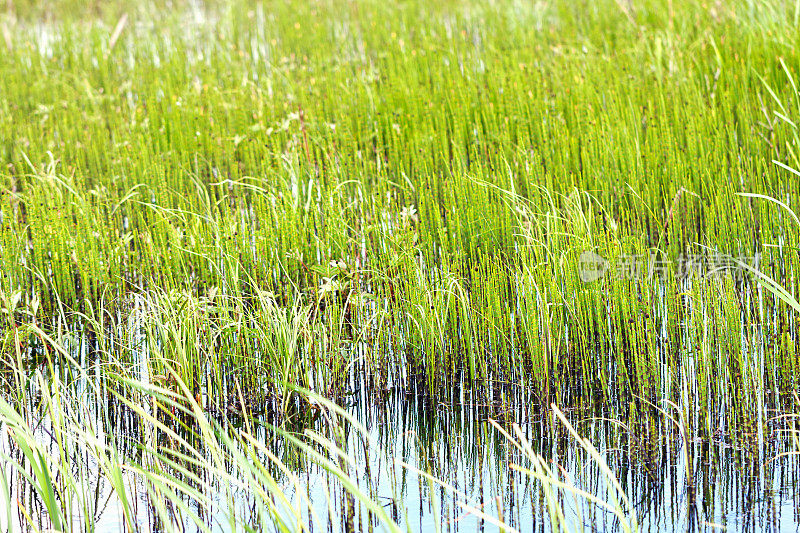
205,213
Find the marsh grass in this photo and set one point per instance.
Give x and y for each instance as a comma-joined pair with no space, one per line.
453,230
233,202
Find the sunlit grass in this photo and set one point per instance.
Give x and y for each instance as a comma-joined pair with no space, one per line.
231,201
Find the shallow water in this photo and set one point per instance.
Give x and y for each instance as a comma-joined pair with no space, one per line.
456,444
744,482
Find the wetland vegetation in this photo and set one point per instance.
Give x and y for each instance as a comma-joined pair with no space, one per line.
399,266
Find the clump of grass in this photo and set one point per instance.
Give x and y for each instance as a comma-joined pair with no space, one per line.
67,469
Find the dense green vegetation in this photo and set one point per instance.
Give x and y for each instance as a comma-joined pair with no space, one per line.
243,199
